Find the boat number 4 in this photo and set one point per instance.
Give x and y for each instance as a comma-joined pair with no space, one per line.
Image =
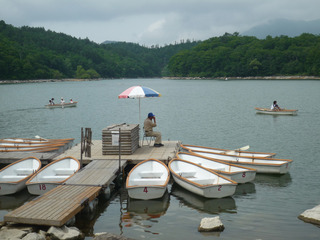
42,187
145,190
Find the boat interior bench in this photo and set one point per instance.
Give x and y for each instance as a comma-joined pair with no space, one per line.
12,178
214,169
150,174
55,178
204,181
24,171
149,181
64,171
186,174
218,169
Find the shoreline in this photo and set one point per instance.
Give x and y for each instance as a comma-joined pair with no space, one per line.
173,78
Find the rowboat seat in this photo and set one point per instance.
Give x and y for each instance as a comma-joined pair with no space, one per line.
186,174
219,169
55,178
204,181
150,174
24,171
143,181
12,177
64,171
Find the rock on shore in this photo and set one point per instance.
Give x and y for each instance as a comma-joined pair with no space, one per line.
311,215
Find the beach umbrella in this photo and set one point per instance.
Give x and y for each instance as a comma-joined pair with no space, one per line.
139,92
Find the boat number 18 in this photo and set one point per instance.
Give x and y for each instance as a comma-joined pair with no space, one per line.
42,187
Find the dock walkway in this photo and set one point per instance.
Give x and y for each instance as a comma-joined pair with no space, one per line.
165,153
59,205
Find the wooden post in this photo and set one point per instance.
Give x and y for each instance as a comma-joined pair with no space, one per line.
120,150
81,148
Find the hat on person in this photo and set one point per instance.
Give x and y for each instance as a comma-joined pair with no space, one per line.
151,115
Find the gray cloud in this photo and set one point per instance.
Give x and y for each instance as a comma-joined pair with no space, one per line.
152,21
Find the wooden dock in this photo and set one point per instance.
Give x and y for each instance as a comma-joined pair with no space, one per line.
59,205
165,153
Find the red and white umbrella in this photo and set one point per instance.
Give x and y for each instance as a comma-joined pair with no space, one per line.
139,92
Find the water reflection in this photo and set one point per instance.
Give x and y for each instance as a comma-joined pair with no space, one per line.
86,219
273,180
10,202
144,213
246,188
208,205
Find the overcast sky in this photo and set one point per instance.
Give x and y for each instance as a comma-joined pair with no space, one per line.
151,22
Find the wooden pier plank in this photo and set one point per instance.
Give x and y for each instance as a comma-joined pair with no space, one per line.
59,205
54,208
165,153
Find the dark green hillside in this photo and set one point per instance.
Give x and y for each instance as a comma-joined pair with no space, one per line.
35,53
243,56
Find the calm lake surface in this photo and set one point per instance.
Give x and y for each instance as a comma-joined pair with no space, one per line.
199,112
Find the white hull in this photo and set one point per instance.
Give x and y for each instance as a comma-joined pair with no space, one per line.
146,192
226,151
13,178
236,173
281,112
52,175
65,105
148,180
262,165
201,181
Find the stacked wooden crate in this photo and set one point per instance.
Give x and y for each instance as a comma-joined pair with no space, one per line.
129,137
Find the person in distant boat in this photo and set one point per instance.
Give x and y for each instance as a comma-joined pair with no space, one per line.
149,124
275,106
62,101
71,100
52,101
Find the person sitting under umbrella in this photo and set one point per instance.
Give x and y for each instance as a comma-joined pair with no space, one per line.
148,129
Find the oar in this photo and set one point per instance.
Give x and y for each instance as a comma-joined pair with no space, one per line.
242,148
37,136
233,152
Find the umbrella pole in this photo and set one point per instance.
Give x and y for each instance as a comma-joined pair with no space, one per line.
139,119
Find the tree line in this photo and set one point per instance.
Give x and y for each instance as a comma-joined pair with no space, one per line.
232,55
36,53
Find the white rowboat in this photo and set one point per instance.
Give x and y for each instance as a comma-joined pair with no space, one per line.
59,105
52,175
236,152
148,180
200,180
13,177
276,112
262,165
236,173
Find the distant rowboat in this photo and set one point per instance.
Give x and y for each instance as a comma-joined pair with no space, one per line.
277,112
64,105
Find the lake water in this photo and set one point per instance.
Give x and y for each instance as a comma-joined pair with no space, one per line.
199,112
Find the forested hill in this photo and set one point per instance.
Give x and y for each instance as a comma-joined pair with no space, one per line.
243,56
35,53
